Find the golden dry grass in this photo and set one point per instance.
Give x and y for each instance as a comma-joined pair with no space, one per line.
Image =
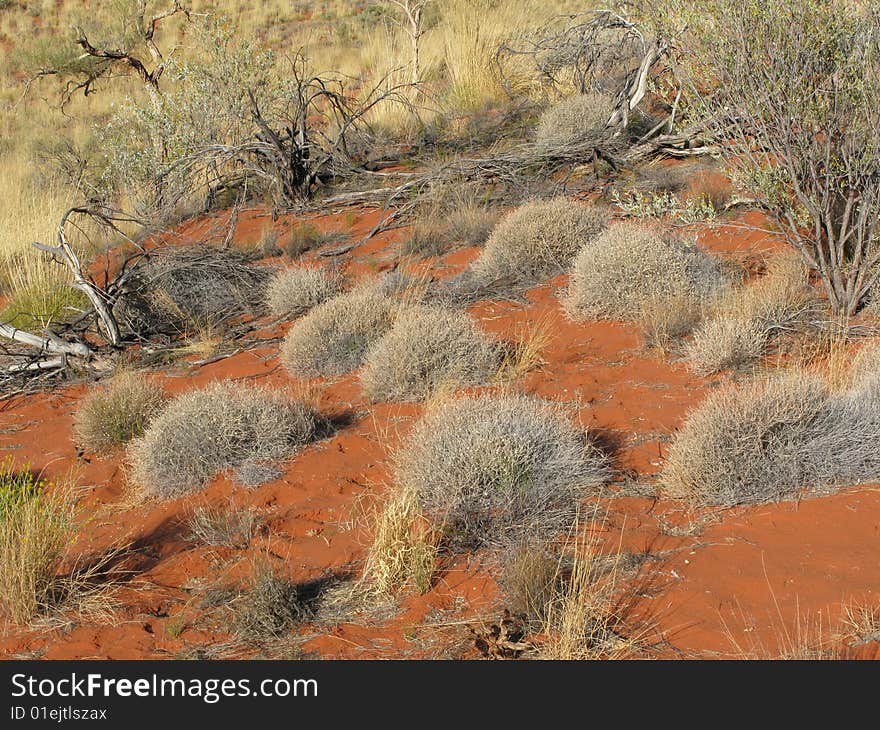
404,548
37,525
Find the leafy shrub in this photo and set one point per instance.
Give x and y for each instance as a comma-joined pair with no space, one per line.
629,266
573,121
334,337
774,439
538,240
499,468
202,432
428,347
116,413
293,292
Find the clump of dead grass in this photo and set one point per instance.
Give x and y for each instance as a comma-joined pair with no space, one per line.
427,348
742,321
776,438
202,432
726,343
442,229
404,548
583,617
498,469
630,266
293,292
272,606
175,290
334,337
223,526
538,240
667,320
117,412
36,527
573,121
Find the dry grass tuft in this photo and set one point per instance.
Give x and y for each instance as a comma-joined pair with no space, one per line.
526,352
272,606
200,433
498,469
742,321
427,348
226,526
530,579
776,438
726,343
334,337
404,548
36,528
116,413
442,229
583,618
629,267
573,121
666,320
293,292
538,240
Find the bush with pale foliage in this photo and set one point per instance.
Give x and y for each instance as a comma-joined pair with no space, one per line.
293,292
334,337
777,438
117,412
538,240
576,120
497,469
630,266
201,433
428,348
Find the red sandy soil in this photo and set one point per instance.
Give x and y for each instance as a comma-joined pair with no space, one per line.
716,584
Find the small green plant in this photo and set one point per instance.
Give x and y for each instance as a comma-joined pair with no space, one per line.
638,204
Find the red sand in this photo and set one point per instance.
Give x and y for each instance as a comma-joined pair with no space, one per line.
746,578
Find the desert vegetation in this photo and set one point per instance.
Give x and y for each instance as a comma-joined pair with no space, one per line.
427,349
202,432
412,328
495,469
